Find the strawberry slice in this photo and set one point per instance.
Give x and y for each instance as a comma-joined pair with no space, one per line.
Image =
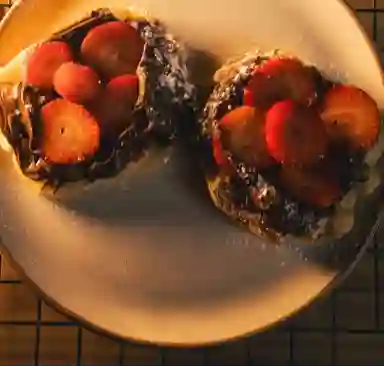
319,189
45,61
351,116
70,134
295,134
218,152
242,133
115,107
77,83
113,49
248,97
278,79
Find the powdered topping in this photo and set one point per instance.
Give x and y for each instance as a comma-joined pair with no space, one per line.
164,101
249,195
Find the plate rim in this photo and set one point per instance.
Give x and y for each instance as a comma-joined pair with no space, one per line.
118,336
114,335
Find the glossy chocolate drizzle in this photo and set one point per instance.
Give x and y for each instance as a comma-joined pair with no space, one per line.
250,197
168,103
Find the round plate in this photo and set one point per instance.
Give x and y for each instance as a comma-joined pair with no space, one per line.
145,256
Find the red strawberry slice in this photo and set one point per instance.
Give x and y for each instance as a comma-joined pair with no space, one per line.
219,154
114,109
77,83
113,49
248,98
124,89
351,116
295,134
70,133
44,62
279,79
242,132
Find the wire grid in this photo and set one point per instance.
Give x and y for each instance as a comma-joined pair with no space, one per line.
344,328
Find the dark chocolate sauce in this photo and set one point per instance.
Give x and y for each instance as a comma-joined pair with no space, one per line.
282,214
167,105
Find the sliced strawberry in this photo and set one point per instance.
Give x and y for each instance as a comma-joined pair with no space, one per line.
44,62
242,133
248,97
115,107
351,116
295,134
113,49
70,134
279,79
319,189
124,89
219,154
77,83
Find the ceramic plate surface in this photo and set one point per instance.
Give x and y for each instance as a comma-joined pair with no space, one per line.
145,256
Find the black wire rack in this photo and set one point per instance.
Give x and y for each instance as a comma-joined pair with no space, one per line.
347,327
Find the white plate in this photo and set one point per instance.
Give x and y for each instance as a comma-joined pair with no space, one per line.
145,256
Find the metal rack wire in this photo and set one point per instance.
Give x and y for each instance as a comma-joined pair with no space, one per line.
345,328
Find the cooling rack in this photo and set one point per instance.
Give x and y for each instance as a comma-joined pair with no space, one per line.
346,327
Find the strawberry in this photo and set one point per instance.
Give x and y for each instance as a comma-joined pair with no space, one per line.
115,107
295,134
77,83
113,49
218,152
70,134
248,97
351,116
44,62
242,133
124,89
278,79
319,189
